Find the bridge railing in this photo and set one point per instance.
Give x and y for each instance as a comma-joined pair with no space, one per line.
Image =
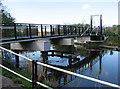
25,30
18,30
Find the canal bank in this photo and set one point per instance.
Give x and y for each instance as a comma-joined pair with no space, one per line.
112,42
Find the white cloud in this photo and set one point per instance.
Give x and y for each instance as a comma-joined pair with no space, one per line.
86,6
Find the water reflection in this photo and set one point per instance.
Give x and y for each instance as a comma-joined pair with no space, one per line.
94,63
79,67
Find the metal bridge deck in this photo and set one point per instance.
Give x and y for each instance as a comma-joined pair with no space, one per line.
26,39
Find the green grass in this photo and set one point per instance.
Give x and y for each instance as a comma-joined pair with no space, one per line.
16,79
112,41
77,43
93,46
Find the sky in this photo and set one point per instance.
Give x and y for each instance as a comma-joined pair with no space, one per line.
63,11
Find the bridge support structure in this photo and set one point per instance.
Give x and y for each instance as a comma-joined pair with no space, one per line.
32,45
63,41
82,39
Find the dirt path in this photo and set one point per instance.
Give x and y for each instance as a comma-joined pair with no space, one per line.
7,83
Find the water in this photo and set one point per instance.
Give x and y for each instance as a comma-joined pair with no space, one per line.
100,64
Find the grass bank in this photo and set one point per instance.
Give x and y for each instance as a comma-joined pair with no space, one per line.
112,42
18,80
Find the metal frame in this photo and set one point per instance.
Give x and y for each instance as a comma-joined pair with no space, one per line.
91,21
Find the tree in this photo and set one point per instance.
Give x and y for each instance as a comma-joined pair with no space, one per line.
6,16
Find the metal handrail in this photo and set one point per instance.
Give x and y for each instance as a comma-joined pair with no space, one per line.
68,72
24,77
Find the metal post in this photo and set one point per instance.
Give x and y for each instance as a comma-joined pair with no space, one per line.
68,30
79,30
36,73
59,30
27,31
70,60
75,30
17,59
45,31
71,30
36,28
15,32
64,29
91,23
61,54
51,30
33,82
52,53
100,24
30,31
82,29
41,30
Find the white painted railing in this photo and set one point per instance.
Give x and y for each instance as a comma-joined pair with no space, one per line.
66,71
43,85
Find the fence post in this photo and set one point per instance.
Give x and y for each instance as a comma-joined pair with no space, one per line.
15,32
33,82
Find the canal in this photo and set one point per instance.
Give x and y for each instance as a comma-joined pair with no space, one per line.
97,63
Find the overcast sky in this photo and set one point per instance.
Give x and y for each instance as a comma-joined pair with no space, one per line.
62,11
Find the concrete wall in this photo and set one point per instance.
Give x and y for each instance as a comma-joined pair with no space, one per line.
82,39
33,45
63,41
